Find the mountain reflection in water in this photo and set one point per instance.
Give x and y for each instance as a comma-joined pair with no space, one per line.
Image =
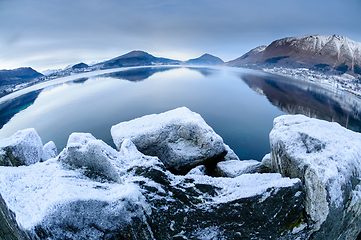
296,97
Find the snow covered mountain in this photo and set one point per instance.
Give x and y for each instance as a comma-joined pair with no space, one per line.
311,51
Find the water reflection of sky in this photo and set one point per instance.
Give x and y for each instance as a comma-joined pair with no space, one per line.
242,117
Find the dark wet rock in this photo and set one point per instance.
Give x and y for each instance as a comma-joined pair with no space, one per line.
203,207
9,229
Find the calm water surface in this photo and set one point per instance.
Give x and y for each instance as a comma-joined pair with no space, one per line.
239,105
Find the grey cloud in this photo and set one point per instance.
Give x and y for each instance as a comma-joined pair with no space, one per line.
226,28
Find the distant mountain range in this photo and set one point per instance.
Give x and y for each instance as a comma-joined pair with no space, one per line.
18,75
324,53
318,52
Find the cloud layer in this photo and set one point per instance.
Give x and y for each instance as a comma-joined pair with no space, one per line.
53,33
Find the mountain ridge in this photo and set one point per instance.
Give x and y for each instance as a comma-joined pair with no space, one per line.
311,51
205,59
136,58
18,75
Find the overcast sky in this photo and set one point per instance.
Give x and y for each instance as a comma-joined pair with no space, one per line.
52,34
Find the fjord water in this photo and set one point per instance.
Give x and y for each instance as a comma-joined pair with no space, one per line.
238,104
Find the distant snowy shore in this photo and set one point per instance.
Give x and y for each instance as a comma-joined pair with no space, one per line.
344,82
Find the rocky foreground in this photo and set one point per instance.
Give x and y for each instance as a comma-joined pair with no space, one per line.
172,177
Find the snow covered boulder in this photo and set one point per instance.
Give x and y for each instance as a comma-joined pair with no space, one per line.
235,168
327,158
49,151
52,201
22,148
93,156
180,138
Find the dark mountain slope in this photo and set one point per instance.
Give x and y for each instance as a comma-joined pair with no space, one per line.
18,75
206,59
136,58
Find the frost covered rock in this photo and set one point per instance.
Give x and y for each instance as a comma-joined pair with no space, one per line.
327,158
53,201
49,151
230,154
93,156
235,168
22,148
181,139
267,161
199,170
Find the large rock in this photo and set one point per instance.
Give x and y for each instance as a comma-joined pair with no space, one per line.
22,148
327,158
181,139
94,156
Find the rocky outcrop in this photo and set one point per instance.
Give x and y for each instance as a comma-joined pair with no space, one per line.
181,139
22,148
327,158
62,202
95,192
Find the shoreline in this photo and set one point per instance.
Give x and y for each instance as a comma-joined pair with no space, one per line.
345,82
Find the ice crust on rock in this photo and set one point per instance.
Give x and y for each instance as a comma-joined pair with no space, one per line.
180,138
49,151
327,158
22,148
